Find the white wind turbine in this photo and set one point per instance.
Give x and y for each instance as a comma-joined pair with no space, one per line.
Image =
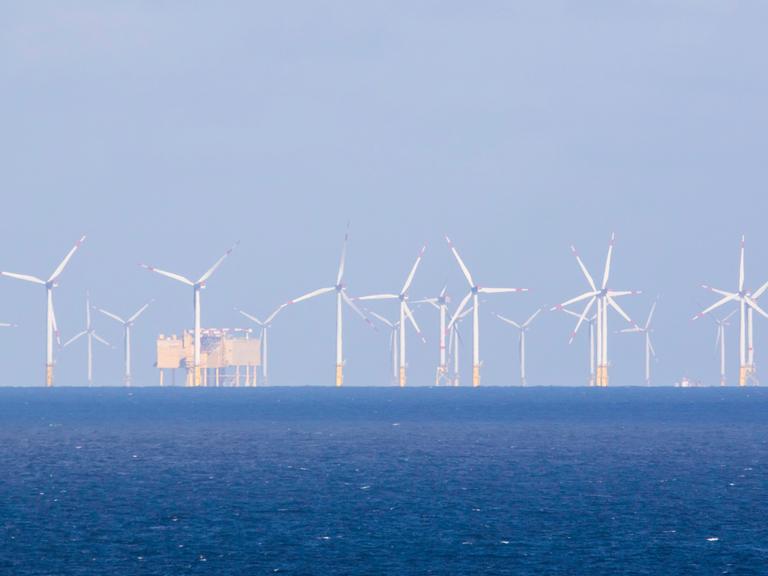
453,345
474,292
341,298
722,324
646,332
127,325
393,340
592,321
523,330
90,334
265,326
196,287
441,303
747,304
405,312
605,298
50,284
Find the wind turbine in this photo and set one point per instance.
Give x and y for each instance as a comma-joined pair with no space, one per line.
605,299
441,303
393,339
265,326
51,327
649,351
523,329
90,333
127,325
474,292
592,321
453,345
722,324
196,287
341,298
747,303
405,312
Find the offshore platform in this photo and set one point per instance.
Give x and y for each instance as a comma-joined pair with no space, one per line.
228,357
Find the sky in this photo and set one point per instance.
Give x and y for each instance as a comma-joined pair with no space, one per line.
168,130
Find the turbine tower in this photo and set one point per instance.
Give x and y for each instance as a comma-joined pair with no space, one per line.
50,284
405,312
90,333
592,321
265,326
127,325
474,292
747,304
605,299
649,351
453,346
441,303
196,287
393,341
523,329
341,298
720,341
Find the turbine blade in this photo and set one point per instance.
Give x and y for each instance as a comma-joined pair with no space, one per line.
650,345
501,290
617,293
409,280
74,338
582,318
413,321
718,291
250,317
508,321
463,266
171,275
381,319
531,319
378,297
204,278
312,294
63,264
741,265
340,275
460,308
717,304
618,309
139,312
467,311
584,270
574,300
650,316
759,292
55,326
110,315
272,316
755,306
100,339
25,277
354,307
607,271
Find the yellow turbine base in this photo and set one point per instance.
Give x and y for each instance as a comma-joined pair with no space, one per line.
475,376
441,375
402,377
49,375
602,376
339,375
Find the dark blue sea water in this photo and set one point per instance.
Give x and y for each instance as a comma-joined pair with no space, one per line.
383,481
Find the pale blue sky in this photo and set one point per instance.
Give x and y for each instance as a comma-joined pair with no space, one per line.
168,130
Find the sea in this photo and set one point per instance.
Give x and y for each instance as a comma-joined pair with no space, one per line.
313,480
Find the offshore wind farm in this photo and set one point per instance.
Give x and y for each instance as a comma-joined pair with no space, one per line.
354,288
205,354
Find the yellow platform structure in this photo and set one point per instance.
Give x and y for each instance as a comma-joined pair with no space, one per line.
228,357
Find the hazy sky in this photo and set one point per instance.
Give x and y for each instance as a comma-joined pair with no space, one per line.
168,130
